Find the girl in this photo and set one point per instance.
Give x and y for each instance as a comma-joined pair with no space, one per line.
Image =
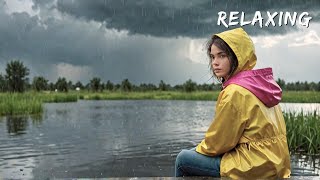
247,138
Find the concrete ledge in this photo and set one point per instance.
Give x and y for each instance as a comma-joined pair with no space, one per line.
189,178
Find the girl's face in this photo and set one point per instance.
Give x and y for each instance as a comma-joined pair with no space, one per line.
220,62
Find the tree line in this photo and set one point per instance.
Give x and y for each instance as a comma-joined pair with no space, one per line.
16,80
299,86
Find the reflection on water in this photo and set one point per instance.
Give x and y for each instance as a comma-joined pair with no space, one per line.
308,165
105,138
16,125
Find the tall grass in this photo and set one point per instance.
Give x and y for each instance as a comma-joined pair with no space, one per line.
17,104
303,131
30,103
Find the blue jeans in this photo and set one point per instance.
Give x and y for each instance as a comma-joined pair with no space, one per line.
192,163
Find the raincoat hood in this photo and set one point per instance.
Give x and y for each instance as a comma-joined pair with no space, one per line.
242,46
260,82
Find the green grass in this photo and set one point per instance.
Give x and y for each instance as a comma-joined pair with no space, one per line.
31,102
303,131
17,104
159,95
288,96
301,96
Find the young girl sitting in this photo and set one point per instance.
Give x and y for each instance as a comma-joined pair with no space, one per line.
247,138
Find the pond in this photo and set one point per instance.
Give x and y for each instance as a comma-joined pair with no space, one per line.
111,139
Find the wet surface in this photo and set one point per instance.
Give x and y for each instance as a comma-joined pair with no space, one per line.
110,139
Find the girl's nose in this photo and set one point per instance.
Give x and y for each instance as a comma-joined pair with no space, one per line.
214,63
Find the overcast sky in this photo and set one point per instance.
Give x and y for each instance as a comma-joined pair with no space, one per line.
148,40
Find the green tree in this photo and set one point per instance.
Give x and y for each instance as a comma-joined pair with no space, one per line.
178,87
126,85
79,85
313,86
206,87
281,83
70,85
39,83
62,84
95,84
52,86
109,85
163,86
16,76
189,86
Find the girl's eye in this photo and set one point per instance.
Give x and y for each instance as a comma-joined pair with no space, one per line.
222,56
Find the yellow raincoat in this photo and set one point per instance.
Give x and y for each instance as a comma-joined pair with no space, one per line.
250,135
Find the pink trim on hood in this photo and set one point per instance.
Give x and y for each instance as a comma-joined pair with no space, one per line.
261,83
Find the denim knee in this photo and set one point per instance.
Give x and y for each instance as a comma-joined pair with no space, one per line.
181,157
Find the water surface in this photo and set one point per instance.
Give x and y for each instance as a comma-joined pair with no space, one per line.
108,138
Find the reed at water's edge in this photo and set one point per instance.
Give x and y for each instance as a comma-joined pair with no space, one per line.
30,103
303,131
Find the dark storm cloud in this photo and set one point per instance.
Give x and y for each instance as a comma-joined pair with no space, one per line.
75,39
177,17
45,45
22,36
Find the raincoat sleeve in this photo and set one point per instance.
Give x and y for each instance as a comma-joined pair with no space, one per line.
227,127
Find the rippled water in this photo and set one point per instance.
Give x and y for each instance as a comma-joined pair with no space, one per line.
105,138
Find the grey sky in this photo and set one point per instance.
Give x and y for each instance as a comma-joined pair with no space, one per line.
146,41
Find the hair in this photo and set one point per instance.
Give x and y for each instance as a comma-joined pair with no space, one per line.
221,44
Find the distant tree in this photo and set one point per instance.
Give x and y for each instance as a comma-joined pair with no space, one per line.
27,85
95,84
3,83
62,84
88,86
305,86
152,87
189,86
313,86
178,87
39,83
281,83
135,87
16,76
126,85
163,86
102,87
79,85
109,86
52,86
206,87
143,87
70,85
147,87
117,87
298,86
318,86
